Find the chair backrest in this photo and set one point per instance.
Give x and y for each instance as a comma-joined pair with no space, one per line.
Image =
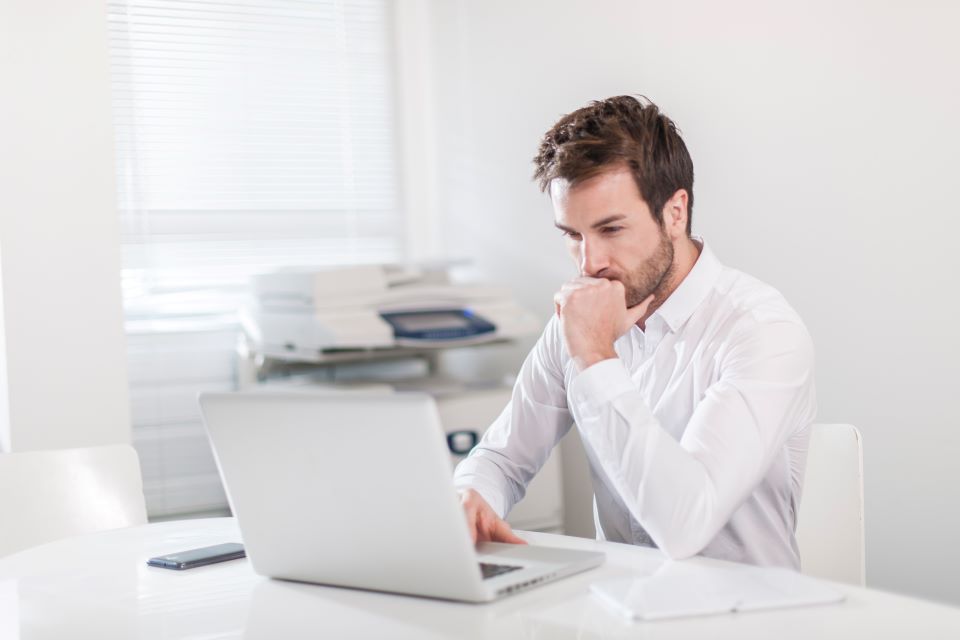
830,522
48,495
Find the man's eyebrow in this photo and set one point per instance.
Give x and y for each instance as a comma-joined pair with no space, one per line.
602,223
595,225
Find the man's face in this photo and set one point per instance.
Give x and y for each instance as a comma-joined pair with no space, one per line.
611,233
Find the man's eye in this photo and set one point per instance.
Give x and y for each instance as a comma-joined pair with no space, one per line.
610,230
571,234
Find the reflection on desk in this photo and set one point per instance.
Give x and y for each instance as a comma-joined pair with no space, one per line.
99,586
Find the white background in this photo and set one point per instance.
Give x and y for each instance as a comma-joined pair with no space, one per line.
825,142
63,376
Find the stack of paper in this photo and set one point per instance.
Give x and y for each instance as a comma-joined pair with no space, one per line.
680,589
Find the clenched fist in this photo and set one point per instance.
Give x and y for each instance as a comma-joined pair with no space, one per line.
593,314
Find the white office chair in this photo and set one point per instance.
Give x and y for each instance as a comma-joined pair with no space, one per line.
830,522
48,495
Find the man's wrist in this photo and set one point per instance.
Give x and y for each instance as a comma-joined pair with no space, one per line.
591,391
584,361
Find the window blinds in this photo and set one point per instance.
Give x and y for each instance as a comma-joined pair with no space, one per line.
250,135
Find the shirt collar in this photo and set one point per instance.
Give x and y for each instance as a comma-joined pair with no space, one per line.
685,299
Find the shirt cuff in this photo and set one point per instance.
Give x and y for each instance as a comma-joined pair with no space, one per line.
598,385
469,476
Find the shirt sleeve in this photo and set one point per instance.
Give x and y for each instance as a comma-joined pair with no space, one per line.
520,440
683,492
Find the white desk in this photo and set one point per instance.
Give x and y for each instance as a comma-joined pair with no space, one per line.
98,586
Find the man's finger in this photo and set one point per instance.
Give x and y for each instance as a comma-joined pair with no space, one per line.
558,300
567,288
503,533
471,515
581,283
635,313
472,525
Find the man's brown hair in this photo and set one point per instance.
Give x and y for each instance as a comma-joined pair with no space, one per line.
615,131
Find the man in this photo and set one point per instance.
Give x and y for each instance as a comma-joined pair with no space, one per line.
690,383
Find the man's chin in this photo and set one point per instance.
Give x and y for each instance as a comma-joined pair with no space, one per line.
633,299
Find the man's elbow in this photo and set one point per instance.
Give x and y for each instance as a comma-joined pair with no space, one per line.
684,538
681,549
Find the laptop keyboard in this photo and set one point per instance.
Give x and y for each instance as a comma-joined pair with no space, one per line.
491,570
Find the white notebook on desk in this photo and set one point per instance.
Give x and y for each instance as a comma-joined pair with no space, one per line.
680,589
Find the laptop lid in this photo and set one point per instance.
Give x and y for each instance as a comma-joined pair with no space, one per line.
348,490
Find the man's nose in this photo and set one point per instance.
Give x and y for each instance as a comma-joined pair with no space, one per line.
593,260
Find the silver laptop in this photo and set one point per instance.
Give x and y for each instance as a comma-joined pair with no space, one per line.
356,491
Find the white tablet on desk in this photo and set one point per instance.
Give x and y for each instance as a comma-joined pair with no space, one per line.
681,589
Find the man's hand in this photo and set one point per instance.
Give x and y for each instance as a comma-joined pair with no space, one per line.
484,524
593,314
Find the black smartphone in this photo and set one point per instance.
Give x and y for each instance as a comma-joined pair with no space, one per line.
199,557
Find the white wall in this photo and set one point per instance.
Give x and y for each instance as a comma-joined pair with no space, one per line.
825,141
62,362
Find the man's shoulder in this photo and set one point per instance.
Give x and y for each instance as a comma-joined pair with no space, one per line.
750,321
741,296
749,313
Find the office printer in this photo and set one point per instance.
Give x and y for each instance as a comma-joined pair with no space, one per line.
303,315
381,328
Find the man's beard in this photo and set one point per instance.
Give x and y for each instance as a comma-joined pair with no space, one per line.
653,276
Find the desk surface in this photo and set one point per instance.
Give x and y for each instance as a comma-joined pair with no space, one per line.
98,586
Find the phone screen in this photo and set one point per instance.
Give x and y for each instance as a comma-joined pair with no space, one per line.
199,557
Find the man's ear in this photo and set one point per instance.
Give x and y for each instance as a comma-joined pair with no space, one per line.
675,214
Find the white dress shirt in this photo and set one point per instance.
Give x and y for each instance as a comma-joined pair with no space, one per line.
696,434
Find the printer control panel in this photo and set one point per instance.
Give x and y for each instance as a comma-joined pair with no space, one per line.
437,325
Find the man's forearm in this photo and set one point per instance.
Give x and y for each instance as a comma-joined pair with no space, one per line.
681,492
